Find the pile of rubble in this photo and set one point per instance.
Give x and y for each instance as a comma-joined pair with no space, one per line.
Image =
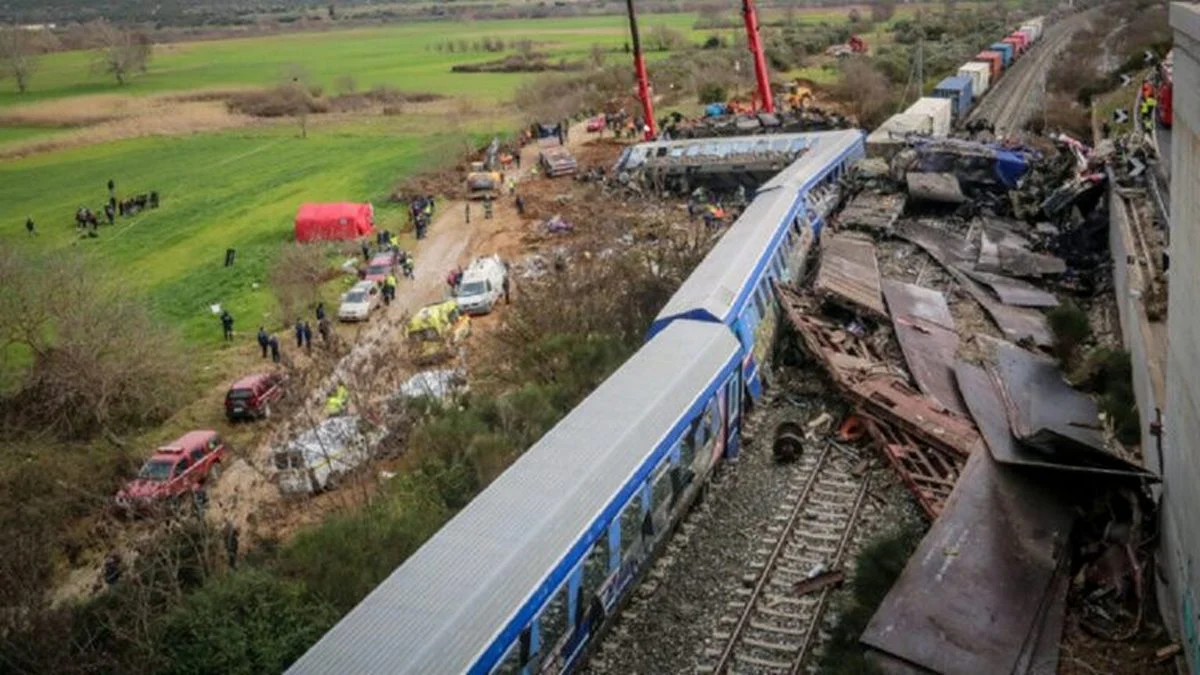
1032,500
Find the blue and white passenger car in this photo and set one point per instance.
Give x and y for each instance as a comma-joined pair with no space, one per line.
522,578
769,242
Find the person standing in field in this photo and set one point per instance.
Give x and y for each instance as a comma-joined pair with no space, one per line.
263,340
299,333
273,343
307,338
320,312
227,324
30,227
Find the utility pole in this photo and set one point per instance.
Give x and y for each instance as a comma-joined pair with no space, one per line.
920,54
643,80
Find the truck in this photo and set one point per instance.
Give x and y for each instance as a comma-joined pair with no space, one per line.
482,285
484,179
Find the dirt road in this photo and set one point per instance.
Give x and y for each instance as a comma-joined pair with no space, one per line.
244,495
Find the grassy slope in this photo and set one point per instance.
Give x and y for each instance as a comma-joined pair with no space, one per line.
224,190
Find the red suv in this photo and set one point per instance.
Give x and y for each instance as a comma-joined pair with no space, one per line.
251,396
381,265
174,470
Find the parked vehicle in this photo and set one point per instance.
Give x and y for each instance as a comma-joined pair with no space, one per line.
381,265
482,286
313,462
556,160
434,330
175,470
251,397
359,301
596,123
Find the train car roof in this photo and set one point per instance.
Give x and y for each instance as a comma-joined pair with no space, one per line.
441,609
712,290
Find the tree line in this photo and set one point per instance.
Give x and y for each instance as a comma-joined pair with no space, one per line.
116,51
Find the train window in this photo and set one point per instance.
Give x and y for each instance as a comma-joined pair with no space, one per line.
712,421
511,663
553,623
595,569
631,524
688,445
663,489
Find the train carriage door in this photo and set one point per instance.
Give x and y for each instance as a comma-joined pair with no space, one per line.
733,415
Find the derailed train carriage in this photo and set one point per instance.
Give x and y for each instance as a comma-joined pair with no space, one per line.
524,577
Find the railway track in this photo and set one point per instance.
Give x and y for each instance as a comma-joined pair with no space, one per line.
774,625
1009,104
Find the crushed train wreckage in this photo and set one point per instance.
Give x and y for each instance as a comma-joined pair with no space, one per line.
978,423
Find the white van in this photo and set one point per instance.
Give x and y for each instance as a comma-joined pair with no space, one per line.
312,462
482,285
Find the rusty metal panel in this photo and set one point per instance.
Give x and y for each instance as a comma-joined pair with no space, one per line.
888,398
925,330
928,473
987,408
872,211
850,273
1014,291
968,601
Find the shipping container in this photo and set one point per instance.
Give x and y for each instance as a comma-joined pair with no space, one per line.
995,60
1006,50
1035,32
1019,39
957,90
1028,35
980,73
938,110
889,137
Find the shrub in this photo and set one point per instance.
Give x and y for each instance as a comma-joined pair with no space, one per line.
1070,329
249,622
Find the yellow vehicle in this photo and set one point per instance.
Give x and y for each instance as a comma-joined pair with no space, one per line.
798,96
482,183
434,330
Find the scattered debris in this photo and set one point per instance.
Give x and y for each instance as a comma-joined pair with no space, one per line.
849,274
935,187
872,211
818,581
983,592
925,330
789,442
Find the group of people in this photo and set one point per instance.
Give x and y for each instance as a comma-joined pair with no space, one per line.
420,212
88,220
269,344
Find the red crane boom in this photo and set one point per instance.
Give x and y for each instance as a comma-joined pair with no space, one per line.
760,61
643,81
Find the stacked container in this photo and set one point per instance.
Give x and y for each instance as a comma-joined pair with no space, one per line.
1006,50
957,90
939,111
980,74
889,137
995,61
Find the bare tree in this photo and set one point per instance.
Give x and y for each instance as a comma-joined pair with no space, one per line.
866,90
18,54
118,52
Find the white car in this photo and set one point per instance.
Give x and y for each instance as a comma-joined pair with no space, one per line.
482,286
359,301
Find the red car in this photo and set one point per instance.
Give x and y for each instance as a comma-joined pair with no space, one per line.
381,265
251,397
174,471
596,123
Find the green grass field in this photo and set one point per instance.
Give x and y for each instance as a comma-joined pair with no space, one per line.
228,190
398,55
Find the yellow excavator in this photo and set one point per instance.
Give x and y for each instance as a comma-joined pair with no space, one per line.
798,96
484,178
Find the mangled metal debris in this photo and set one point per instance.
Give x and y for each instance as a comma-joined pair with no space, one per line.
982,593
1014,291
1006,252
929,473
1047,414
987,408
925,330
935,187
873,211
849,274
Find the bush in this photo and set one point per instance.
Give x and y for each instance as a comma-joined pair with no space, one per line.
99,363
712,93
349,554
249,622
876,568
1070,328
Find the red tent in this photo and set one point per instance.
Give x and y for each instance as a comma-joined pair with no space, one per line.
345,220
